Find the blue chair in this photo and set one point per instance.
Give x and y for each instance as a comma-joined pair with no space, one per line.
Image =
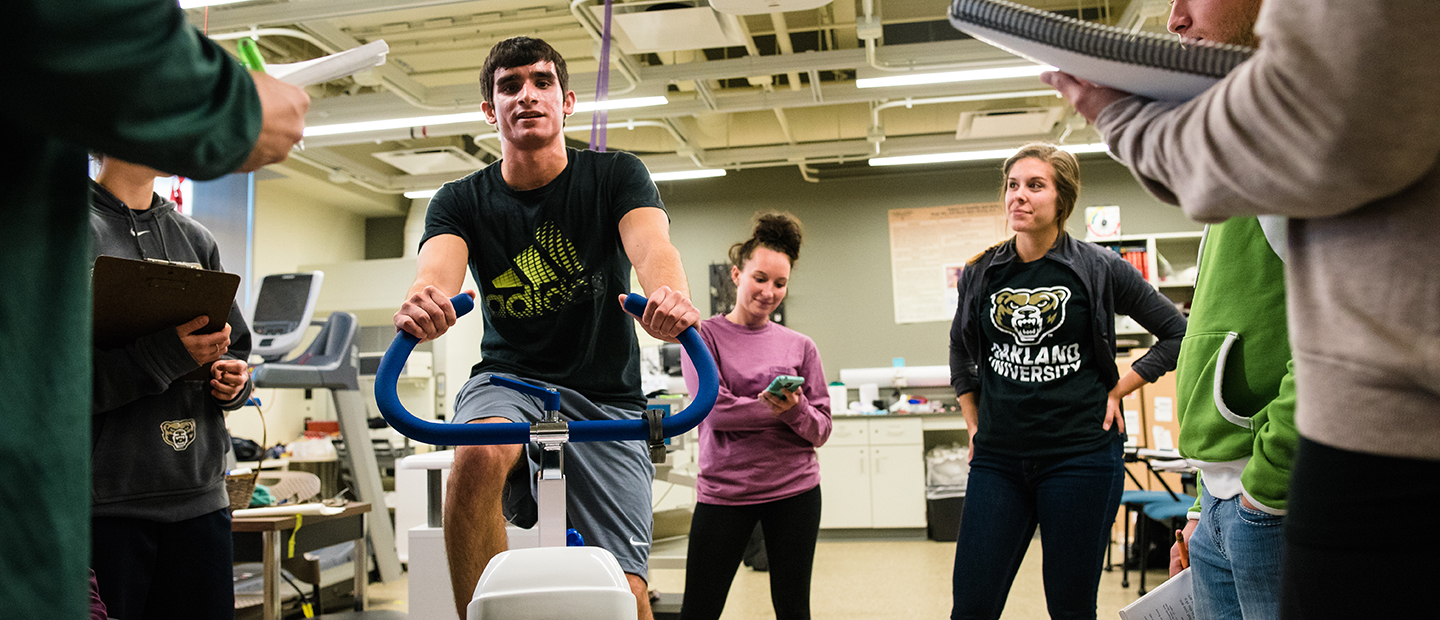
1165,511
1133,501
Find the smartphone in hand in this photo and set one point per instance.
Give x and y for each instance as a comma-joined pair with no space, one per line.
788,383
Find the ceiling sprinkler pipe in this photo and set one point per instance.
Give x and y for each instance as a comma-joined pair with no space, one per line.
626,70
274,32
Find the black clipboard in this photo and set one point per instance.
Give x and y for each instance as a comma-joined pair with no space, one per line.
135,298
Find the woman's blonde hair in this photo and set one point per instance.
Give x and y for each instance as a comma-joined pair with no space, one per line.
1065,174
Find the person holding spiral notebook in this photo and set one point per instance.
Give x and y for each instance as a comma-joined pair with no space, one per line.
1335,124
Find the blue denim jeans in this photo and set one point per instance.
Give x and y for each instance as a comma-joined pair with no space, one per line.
1235,558
1072,499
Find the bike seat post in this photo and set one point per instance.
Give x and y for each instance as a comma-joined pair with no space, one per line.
552,434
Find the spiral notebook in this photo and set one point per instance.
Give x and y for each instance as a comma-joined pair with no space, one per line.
1144,63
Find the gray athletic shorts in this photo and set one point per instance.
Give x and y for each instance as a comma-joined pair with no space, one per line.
608,483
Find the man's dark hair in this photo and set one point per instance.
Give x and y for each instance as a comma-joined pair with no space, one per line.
518,52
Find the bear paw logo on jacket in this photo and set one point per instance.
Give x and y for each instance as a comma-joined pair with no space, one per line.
178,433
1029,315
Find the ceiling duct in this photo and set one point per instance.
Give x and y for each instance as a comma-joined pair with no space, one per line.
1005,123
431,160
642,28
765,7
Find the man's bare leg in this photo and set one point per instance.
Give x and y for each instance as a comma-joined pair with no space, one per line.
474,519
641,590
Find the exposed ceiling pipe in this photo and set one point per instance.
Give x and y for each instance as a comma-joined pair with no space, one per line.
382,105
619,57
805,173
275,32
393,78
330,49
752,51
787,47
242,15
347,175
870,29
733,158
784,125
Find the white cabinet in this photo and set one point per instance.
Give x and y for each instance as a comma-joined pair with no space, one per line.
872,474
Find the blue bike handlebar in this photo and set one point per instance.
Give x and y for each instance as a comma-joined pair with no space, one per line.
439,433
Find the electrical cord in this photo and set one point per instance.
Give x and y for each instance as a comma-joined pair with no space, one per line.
304,600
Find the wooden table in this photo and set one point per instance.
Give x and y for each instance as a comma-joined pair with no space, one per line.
266,538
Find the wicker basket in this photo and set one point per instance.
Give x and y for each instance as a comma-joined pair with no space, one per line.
241,487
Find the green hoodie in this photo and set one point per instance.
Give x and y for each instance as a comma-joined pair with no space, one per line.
132,79
1236,385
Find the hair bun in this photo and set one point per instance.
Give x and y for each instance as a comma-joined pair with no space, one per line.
777,231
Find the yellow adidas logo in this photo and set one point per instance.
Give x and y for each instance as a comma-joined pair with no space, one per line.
548,274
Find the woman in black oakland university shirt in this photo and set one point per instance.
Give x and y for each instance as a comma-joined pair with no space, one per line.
1032,358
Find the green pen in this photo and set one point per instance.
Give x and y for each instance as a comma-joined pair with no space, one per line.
250,55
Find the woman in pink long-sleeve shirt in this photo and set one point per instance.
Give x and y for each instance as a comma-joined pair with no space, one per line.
757,450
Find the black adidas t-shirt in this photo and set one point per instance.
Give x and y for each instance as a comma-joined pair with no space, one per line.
550,265
1040,387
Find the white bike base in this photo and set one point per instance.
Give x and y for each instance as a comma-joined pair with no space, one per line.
553,583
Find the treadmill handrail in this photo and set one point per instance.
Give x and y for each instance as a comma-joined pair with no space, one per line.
440,433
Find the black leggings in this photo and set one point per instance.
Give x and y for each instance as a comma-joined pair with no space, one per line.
717,541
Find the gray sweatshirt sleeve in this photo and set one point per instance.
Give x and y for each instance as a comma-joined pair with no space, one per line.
1135,298
239,350
964,375
1335,110
143,368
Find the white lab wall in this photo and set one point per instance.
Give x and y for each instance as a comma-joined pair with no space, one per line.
290,232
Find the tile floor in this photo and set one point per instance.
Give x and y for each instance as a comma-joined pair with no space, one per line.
884,580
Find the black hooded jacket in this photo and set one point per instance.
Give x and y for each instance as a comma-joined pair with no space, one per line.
158,441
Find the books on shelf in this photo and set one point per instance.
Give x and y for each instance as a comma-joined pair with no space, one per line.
1137,258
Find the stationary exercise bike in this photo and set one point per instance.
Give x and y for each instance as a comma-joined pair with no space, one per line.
553,581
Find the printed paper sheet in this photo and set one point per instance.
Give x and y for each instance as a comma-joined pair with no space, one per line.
928,250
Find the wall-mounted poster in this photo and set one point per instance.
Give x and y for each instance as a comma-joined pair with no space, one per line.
928,250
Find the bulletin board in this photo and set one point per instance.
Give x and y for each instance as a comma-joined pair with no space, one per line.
928,250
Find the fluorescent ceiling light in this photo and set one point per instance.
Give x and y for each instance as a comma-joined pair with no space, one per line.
680,175
195,4
1094,147
937,158
620,104
395,123
421,193
915,79
465,117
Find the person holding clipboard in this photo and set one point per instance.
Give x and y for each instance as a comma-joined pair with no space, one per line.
757,447
160,519
131,78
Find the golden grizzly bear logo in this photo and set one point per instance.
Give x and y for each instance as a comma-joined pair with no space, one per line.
1029,314
178,433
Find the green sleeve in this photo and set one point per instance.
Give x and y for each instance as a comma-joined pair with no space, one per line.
1199,493
1267,476
132,79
